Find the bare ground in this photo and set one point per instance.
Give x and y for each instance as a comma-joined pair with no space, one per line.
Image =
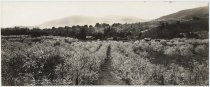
105,77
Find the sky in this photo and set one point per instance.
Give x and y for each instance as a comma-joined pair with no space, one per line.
25,13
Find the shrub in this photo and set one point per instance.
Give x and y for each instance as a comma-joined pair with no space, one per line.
201,50
79,63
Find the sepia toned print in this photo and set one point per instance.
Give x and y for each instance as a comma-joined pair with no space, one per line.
104,43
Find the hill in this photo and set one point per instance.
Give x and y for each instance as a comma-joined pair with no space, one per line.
190,23
187,14
88,20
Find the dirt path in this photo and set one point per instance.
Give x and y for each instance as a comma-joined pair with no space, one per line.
98,48
106,77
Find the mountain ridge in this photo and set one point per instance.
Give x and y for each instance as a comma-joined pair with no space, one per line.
89,20
184,14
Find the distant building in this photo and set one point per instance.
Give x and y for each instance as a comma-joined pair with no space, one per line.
89,37
147,39
111,38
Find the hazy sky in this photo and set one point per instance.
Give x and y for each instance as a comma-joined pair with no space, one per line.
33,13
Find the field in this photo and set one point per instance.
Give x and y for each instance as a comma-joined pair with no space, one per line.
51,60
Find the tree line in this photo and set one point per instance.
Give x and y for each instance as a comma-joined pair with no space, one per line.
117,31
99,31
